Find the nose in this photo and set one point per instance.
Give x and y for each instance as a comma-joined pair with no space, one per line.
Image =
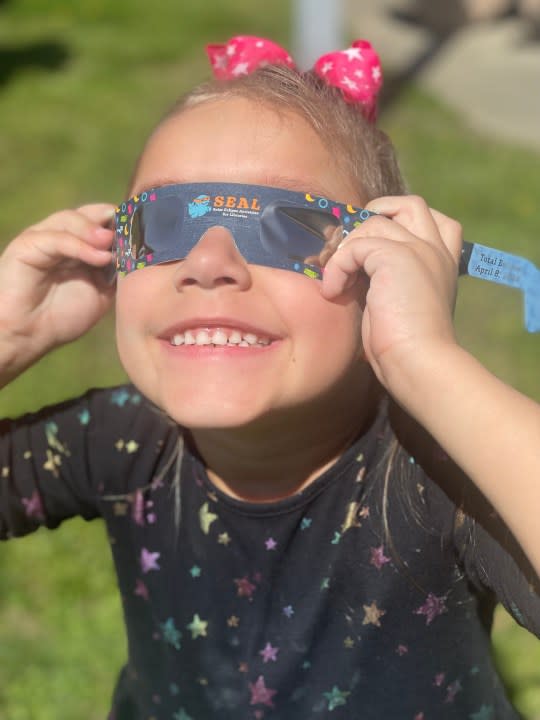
213,262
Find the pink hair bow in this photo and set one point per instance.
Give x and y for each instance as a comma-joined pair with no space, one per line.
356,71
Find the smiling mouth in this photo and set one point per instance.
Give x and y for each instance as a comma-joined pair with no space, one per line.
219,337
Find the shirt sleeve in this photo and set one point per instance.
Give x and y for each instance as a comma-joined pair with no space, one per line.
486,550
59,462
493,559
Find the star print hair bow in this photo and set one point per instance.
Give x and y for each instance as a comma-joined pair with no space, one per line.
356,71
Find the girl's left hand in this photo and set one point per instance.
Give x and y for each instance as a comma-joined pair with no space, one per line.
410,253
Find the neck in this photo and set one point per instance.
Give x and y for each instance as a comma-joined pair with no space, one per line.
263,463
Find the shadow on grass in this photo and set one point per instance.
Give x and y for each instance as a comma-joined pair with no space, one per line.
47,55
43,55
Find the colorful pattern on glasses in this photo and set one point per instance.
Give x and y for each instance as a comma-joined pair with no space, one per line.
241,202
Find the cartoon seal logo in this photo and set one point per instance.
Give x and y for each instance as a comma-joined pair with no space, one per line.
199,206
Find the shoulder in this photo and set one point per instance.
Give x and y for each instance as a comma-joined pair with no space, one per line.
122,411
101,419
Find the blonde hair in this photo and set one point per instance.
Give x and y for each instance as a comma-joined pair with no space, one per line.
364,151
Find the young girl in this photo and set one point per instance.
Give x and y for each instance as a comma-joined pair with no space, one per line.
291,537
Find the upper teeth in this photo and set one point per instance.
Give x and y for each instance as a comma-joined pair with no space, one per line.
218,337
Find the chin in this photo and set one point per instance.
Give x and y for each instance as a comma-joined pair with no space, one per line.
210,413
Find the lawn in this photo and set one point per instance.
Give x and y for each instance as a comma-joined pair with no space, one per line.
81,84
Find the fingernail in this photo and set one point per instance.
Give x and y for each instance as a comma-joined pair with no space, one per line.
109,212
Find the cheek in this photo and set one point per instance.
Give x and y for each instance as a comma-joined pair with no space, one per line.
133,298
330,329
126,309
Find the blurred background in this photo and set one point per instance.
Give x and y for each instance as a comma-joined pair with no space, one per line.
81,85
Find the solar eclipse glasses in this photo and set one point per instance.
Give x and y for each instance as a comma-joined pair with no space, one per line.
276,228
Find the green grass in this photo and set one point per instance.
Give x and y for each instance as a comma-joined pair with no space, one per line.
70,134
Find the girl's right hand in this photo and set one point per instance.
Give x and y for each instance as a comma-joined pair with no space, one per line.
52,284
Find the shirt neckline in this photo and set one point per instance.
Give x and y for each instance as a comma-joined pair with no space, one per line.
361,450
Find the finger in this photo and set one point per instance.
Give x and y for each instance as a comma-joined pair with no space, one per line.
451,233
351,258
379,226
424,222
410,211
87,222
101,213
44,250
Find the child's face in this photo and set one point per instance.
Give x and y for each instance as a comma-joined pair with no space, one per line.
307,354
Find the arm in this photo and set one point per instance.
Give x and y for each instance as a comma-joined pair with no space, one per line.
46,466
489,429
76,457
52,288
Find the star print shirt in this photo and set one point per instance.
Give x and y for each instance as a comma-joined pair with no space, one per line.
308,607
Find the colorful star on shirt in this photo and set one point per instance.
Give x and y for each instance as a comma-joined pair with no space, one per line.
486,712
270,544
149,560
288,611
433,607
171,634
195,571
182,715
269,653
119,397
52,463
244,587
260,694
233,621
306,523
372,615
132,446
224,538
378,558
141,590
33,506
197,627
51,432
336,697
206,518
84,417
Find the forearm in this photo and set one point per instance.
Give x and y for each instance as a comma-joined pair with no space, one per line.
489,429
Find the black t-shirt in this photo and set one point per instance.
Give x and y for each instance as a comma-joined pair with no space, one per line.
367,595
